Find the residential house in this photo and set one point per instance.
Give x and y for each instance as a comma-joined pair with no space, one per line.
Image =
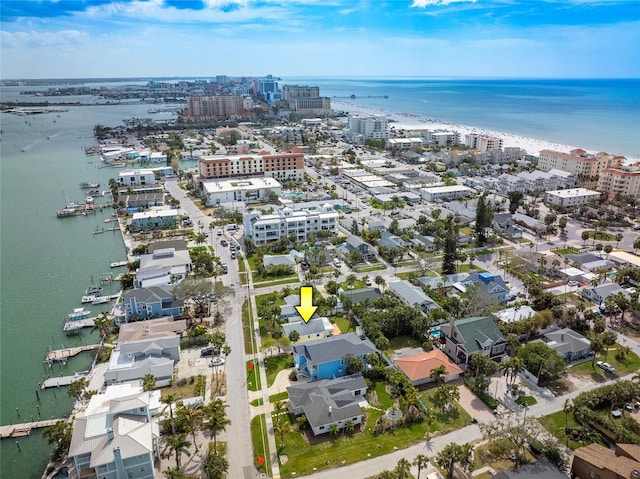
315,328
287,260
527,222
288,310
569,344
325,358
535,470
596,461
178,244
412,295
328,403
493,286
131,360
148,303
473,335
117,436
153,219
356,243
505,226
151,329
418,367
512,315
391,241
599,294
427,242
442,282
163,267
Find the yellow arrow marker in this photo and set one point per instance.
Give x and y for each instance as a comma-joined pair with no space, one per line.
306,308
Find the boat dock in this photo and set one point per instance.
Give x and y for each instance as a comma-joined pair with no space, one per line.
61,381
99,230
66,353
117,264
24,429
77,324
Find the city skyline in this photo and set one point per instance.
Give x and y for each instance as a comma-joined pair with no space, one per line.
339,38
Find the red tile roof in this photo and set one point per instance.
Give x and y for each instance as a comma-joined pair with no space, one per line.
419,366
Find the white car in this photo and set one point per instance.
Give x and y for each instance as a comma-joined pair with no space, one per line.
216,362
606,366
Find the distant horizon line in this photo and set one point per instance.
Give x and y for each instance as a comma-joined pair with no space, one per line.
319,77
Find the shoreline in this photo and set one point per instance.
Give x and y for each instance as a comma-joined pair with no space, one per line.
412,122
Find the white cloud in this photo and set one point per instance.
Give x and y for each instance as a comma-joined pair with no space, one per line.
430,3
35,39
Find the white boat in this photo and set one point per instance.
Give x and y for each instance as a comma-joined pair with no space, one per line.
92,290
89,298
79,313
101,299
72,326
86,184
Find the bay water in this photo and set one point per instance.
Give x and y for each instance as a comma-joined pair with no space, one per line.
46,262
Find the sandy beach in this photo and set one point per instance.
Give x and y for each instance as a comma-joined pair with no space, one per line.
410,122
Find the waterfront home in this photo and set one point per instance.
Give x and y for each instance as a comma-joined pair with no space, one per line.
136,177
117,436
149,303
473,335
162,267
151,329
325,358
418,367
315,328
329,402
131,360
153,219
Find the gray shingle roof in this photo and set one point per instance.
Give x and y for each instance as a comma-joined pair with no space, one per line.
335,347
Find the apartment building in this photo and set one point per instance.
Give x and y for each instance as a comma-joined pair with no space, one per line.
620,180
482,142
281,166
571,198
321,103
248,190
136,177
373,127
289,92
535,181
585,166
441,137
284,222
211,107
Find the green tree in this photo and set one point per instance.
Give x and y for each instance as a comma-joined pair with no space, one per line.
438,374
453,453
216,418
421,462
484,217
215,465
608,340
403,469
59,434
450,246
192,417
169,399
77,388
445,397
148,382
179,444
585,236
353,364
596,346
515,198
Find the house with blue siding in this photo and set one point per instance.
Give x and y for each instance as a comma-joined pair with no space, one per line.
148,303
325,358
153,219
117,436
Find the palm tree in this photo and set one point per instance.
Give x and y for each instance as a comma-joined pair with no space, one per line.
380,282
281,427
169,399
596,348
103,324
148,382
420,461
438,374
608,339
217,418
403,469
192,416
333,430
179,444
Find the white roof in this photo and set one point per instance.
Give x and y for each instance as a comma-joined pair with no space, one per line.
154,214
240,185
446,189
573,192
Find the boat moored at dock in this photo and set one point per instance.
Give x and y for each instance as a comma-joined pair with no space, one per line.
86,184
79,313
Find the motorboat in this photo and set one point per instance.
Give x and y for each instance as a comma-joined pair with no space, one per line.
93,290
89,298
79,313
101,300
86,184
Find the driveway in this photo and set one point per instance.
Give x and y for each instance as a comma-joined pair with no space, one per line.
472,404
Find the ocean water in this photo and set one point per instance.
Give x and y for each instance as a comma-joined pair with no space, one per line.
48,262
601,115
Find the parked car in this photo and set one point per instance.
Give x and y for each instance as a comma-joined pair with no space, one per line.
367,282
606,366
219,231
224,242
210,351
216,362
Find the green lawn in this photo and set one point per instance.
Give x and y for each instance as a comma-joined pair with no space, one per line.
384,400
404,342
247,327
286,280
526,400
269,299
365,269
564,251
602,235
344,324
630,365
279,397
555,424
275,364
260,444
444,422
253,376
303,458
356,285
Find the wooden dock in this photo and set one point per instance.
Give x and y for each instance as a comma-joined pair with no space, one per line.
24,429
61,381
78,324
117,264
66,353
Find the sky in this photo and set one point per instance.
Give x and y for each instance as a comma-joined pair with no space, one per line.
320,38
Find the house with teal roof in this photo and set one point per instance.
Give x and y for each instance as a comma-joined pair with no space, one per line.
465,337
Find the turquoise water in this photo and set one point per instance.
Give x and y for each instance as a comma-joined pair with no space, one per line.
593,114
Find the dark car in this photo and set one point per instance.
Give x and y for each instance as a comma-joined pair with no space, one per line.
210,351
224,242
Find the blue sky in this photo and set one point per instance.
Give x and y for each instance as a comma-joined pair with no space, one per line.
401,38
